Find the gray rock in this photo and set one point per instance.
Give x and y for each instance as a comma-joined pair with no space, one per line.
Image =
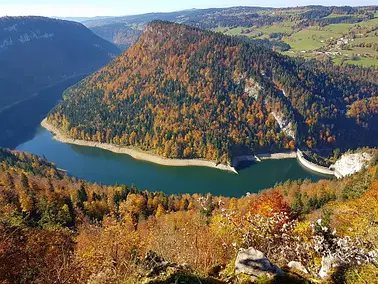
327,263
253,262
154,265
297,266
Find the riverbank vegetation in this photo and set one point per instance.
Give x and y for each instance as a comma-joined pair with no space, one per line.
55,228
137,153
186,93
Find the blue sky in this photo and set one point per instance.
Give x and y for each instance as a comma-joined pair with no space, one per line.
90,8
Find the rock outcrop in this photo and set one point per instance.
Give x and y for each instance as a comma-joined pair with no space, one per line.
327,263
286,126
156,268
349,164
254,263
252,88
296,265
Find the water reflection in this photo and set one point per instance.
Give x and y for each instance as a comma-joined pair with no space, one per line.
19,123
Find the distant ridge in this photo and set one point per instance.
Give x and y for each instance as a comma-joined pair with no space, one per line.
38,51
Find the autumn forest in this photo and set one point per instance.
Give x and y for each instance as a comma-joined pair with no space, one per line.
181,92
57,229
185,93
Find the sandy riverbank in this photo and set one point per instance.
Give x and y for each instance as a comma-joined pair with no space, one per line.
136,154
277,156
267,156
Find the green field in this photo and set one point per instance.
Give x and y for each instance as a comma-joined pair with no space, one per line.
370,39
309,39
365,62
370,23
339,42
267,30
335,40
285,27
363,50
339,28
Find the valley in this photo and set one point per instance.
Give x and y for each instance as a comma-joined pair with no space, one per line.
184,93
36,52
103,167
23,132
216,146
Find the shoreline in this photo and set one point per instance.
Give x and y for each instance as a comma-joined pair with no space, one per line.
136,154
152,158
264,156
316,168
278,156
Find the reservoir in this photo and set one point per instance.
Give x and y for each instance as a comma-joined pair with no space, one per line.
23,132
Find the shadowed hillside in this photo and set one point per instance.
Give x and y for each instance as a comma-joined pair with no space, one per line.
36,52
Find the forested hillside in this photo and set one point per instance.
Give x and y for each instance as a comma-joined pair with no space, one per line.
36,52
54,228
186,93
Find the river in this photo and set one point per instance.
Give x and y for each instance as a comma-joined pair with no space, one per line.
23,132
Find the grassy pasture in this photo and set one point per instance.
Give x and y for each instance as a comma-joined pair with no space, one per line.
306,42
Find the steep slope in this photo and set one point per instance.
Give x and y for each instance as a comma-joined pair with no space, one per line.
74,231
120,34
36,51
186,93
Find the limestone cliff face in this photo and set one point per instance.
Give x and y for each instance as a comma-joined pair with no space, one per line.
286,125
349,164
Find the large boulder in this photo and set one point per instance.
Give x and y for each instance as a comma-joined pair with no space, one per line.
296,265
327,263
254,263
154,268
